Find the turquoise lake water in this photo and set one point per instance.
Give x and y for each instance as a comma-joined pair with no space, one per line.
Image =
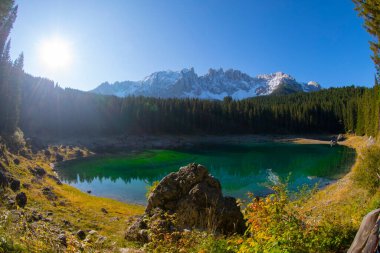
241,168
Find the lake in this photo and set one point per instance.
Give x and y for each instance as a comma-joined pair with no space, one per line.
241,168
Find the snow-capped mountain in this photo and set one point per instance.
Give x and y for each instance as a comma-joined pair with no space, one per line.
216,84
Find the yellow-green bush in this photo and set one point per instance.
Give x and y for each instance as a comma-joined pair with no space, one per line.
276,224
367,173
7,246
150,188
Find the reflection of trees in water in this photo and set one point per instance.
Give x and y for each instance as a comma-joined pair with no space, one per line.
235,171
73,177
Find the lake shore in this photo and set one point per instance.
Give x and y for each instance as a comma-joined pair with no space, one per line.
344,199
116,144
86,212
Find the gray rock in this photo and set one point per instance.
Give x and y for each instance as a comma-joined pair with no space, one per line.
21,199
79,153
14,184
92,232
66,223
101,239
26,186
58,157
56,179
34,216
11,203
47,219
49,194
366,239
81,234
134,231
16,161
62,239
3,180
38,172
25,154
195,197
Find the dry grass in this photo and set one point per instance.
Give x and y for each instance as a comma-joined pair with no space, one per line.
72,210
343,201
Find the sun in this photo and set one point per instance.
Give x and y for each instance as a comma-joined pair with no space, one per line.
55,53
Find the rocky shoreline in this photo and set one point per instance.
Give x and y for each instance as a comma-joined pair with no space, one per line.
120,144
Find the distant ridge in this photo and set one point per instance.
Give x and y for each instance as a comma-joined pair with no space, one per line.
216,84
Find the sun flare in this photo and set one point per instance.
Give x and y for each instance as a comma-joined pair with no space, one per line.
56,53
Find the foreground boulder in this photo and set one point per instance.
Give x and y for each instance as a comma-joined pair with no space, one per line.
367,237
193,199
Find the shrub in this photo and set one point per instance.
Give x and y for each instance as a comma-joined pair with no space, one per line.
15,141
7,246
277,224
187,241
150,188
367,173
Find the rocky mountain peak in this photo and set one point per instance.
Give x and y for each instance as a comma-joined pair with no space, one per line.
215,84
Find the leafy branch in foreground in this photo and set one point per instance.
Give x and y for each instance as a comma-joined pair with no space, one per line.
276,223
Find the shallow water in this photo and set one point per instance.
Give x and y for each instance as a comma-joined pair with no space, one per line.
241,168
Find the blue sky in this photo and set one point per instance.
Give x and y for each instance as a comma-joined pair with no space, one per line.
120,40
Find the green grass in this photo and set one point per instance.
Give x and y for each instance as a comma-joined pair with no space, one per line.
336,211
367,173
79,209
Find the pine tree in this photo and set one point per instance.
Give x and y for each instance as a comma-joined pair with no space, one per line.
370,11
10,73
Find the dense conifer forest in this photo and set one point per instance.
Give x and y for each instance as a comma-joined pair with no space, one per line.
50,110
40,107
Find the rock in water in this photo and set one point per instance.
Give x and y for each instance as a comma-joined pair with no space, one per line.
195,198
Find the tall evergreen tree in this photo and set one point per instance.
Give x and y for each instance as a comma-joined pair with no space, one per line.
10,73
370,11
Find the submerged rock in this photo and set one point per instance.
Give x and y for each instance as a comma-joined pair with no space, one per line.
193,199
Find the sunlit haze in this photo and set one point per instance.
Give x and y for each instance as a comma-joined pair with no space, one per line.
127,40
55,54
